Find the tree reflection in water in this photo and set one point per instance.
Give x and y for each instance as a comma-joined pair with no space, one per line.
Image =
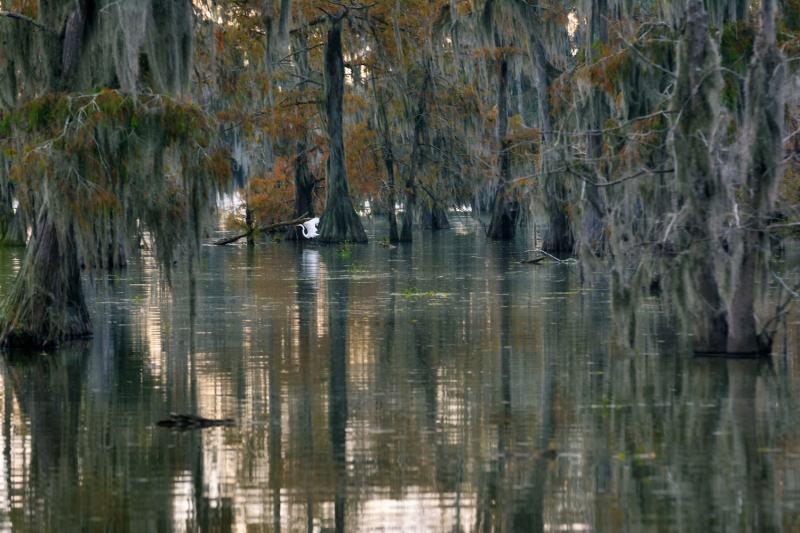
365,406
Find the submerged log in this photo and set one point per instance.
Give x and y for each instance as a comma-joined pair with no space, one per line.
268,227
179,421
533,261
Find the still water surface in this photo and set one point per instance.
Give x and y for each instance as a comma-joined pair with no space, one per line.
438,386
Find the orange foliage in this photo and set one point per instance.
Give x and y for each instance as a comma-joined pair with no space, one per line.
271,196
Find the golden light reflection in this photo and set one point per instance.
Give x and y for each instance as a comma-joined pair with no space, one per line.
463,412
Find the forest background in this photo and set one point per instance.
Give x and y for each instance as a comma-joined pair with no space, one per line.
657,139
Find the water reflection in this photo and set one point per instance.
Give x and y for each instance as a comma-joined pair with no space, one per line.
418,389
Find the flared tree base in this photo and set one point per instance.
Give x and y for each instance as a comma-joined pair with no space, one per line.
46,304
434,218
559,236
340,223
504,218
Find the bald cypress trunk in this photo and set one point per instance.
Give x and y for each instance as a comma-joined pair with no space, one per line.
434,217
764,133
504,214
68,52
304,184
696,102
249,220
16,234
46,304
559,236
340,221
592,226
540,78
409,213
388,162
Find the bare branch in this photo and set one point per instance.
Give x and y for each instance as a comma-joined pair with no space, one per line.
23,18
638,53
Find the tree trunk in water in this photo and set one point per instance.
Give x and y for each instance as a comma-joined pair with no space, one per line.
388,161
764,121
116,256
303,191
46,304
340,221
540,75
558,237
248,217
434,218
304,182
592,226
696,98
407,226
406,231
17,231
504,214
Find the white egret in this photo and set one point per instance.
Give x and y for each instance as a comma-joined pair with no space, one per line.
310,228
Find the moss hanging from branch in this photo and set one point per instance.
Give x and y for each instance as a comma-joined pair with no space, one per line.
696,106
103,165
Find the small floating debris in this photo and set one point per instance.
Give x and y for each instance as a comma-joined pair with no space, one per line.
533,261
179,421
568,261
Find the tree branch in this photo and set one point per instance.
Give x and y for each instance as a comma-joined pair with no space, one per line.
638,53
29,20
269,227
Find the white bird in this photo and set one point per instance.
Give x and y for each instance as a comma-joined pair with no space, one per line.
310,228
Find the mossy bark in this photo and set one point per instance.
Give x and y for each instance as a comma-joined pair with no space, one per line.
592,224
46,304
559,235
541,81
16,234
504,214
434,217
339,222
388,162
696,103
304,184
304,181
249,220
764,133
68,51
409,212
392,197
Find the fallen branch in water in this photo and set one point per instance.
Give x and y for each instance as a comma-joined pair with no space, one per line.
269,227
570,260
534,260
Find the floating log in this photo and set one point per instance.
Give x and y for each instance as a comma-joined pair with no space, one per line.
534,260
269,227
178,421
390,246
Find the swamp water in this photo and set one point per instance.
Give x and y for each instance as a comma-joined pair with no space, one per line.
438,386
